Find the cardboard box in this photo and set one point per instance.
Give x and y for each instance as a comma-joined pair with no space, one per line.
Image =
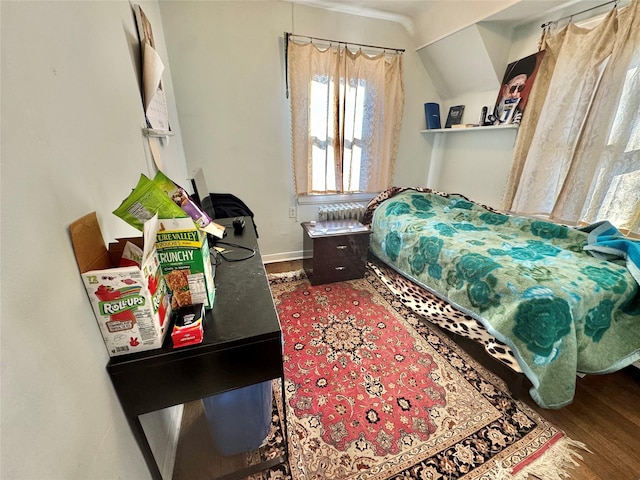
131,304
183,251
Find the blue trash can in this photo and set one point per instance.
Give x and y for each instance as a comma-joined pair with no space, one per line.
239,420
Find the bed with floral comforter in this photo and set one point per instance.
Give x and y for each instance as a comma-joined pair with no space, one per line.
529,282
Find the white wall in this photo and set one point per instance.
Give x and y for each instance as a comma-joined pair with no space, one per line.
228,69
71,144
474,163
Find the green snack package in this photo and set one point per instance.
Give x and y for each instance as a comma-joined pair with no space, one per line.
181,198
144,202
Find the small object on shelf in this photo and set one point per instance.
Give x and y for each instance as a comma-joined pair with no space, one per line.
489,117
465,125
432,115
509,110
455,116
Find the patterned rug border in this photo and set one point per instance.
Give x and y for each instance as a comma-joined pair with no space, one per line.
549,461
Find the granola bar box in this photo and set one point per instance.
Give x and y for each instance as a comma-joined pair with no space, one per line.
130,303
183,252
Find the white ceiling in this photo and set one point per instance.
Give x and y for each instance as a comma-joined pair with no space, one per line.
413,14
437,28
519,11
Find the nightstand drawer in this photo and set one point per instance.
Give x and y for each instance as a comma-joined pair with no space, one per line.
338,270
342,246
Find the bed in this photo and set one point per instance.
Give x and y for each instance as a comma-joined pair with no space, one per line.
525,288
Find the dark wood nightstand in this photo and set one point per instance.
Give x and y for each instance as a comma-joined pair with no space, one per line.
335,251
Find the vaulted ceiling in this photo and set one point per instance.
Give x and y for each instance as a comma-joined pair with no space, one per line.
438,28
429,20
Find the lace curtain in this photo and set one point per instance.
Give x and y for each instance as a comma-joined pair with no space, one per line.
346,113
577,155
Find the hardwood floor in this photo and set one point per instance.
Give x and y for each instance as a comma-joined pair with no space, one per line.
282,267
605,415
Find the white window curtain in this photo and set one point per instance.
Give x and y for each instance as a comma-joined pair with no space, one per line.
346,113
577,156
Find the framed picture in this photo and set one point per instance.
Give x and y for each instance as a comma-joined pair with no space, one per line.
514,91
455,116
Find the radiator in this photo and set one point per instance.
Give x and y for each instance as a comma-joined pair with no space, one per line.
341,211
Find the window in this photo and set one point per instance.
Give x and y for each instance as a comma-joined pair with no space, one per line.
326,149
630,87
620,194
346,111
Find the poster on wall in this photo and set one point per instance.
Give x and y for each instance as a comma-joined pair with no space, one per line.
514,91
153,95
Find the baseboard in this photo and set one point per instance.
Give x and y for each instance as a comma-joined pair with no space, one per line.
172,442
282,257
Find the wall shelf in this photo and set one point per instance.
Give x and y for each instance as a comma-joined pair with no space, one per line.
510,126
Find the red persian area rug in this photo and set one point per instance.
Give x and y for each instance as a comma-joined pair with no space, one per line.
372,393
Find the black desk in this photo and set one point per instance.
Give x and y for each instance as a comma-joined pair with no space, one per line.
242,346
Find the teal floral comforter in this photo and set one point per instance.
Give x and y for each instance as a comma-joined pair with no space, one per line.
530,282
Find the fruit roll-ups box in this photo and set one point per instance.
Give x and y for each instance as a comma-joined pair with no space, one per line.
130,303
183,252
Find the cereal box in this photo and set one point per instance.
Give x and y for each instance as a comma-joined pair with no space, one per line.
130,303
183,252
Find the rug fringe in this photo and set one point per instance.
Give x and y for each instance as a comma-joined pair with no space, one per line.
552,465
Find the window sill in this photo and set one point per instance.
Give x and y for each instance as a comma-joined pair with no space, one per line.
335,198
